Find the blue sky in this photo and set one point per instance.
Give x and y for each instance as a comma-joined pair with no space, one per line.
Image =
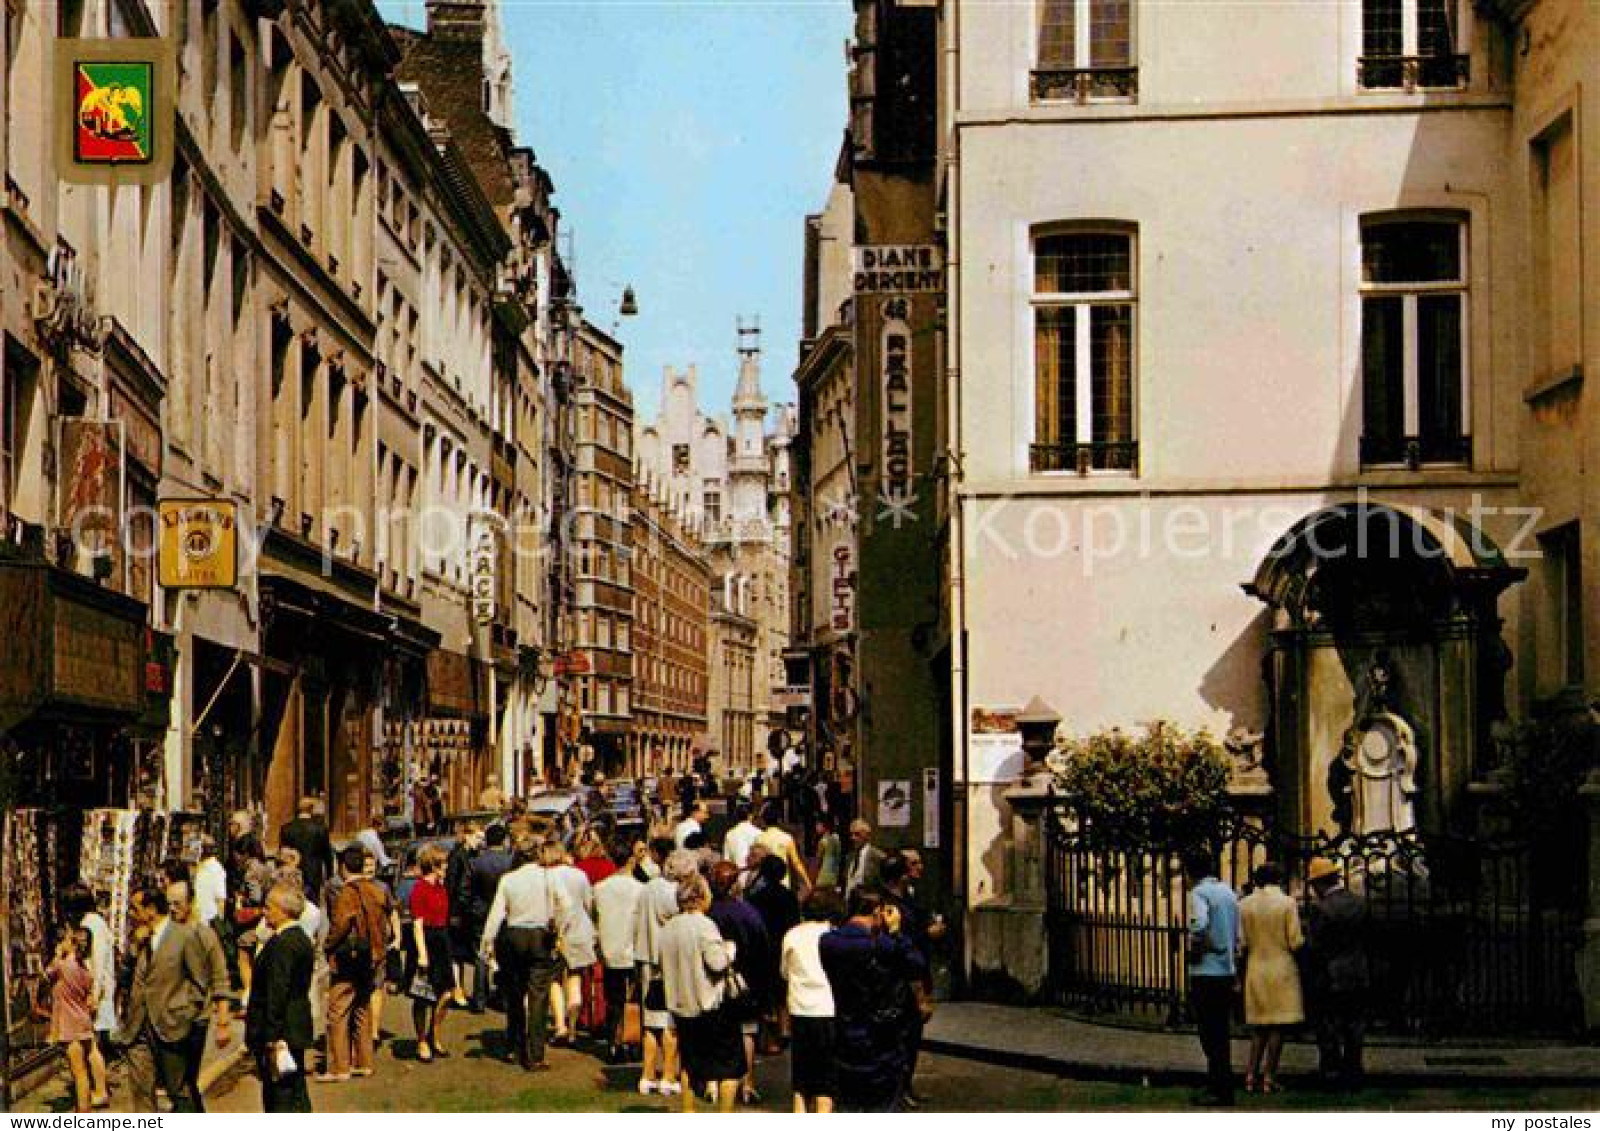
688,139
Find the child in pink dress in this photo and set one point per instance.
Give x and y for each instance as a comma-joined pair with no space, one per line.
72,1008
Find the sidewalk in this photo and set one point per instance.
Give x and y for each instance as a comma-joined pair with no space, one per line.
1045,1040
53,1090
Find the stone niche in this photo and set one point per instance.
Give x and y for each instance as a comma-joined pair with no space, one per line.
1386,668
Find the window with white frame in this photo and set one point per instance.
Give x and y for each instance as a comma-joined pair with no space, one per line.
1412,44
1085,51
1414,341
1083,333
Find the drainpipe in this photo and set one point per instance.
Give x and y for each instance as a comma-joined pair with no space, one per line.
954,454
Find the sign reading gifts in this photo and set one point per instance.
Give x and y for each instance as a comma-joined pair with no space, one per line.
199,547
843,601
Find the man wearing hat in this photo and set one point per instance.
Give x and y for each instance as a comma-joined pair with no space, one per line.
1336,929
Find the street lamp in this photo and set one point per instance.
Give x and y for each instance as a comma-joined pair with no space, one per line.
627,307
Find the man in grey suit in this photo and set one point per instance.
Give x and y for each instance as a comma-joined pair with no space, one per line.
864,861
176,978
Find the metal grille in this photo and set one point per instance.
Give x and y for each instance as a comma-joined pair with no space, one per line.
1464,936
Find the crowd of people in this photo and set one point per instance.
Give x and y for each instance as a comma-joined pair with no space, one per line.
689,957
1289,971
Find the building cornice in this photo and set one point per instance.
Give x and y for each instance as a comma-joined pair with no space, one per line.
1067,486
1374,103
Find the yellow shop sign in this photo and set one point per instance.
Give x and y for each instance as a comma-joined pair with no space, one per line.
199,544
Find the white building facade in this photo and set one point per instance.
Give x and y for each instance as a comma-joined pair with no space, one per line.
1217,271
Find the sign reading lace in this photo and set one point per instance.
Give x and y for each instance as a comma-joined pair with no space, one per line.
481,569
894,355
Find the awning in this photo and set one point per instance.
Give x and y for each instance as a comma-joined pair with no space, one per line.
70,643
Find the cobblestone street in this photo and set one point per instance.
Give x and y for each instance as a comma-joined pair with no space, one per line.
474,1079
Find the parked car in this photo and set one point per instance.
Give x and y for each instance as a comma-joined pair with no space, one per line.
564,808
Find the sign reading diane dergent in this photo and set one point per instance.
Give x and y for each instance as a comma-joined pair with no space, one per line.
898,269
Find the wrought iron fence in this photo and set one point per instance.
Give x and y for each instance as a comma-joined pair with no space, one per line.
1465,936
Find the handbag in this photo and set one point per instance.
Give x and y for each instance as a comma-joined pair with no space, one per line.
737,1000
630,1033
734,987
422,988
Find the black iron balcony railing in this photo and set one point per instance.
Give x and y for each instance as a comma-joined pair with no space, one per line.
1118,455
1087,84
1413,72
1414,451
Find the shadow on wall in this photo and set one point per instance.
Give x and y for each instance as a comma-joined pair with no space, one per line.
1236,682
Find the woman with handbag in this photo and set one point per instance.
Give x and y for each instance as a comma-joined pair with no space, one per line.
701,988
757,964
433,974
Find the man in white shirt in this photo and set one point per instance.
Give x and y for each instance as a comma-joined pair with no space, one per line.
693,822
736,845
520,934
616,909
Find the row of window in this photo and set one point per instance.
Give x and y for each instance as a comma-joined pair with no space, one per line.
598,628
1414,315
1085,49
604,697
663,679
607,429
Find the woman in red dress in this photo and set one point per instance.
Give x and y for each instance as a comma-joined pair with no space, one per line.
433,974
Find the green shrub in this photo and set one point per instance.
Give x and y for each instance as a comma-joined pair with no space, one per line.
1162,789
